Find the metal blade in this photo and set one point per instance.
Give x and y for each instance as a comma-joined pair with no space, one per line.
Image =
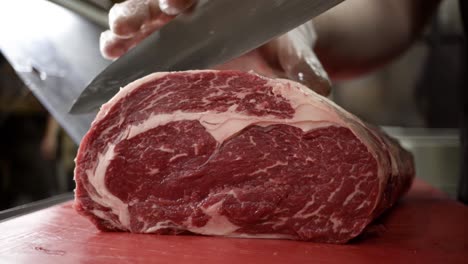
217,32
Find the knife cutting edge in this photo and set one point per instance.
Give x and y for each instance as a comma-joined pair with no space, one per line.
217,32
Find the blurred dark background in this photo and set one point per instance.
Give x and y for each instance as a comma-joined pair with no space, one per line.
36,156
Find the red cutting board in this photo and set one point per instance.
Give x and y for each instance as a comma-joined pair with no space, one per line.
425,227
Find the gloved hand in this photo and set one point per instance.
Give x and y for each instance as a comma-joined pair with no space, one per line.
289,56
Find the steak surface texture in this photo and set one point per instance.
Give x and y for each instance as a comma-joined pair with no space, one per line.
231,153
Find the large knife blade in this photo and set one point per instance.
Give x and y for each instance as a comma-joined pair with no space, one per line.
218,31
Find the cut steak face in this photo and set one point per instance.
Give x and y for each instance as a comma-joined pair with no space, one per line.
234,154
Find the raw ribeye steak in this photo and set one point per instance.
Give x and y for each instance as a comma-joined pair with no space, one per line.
235,154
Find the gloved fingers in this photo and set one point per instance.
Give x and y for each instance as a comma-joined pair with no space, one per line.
175,7
133,20
126,18
113,46
298,60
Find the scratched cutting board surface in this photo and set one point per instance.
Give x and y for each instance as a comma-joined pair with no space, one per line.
425,227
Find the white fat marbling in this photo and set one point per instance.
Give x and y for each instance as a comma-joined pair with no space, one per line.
96,178
218,224
159,225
